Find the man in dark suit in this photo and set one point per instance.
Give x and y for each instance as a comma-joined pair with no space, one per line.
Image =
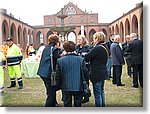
117,61
68,73
127,55
136,49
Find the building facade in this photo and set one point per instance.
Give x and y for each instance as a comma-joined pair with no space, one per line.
84,22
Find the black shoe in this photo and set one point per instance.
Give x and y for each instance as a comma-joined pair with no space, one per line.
114,83
120,84
11,86
20,87
135,86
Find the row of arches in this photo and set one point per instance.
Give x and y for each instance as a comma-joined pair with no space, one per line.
71,36
127,26
23,35
20,35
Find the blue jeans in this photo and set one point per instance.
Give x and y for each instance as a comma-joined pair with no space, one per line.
99,95
109,63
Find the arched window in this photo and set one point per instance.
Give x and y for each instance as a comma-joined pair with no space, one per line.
70,10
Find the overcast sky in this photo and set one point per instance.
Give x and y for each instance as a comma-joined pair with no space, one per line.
32,11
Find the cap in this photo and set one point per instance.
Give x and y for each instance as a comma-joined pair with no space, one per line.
9,39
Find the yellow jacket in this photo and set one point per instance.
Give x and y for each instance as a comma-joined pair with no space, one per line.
14,55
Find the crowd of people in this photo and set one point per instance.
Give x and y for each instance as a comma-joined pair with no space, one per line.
99,61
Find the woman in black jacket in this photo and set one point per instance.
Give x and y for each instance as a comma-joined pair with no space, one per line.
98,59
82,49
45,70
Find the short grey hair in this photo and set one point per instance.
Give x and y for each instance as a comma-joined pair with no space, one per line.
133,35
116,37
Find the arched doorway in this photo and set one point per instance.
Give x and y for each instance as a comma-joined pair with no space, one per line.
141,26
91,33
39,39
116,29
72,37
127,27
31,40
110,30
29,36
105,32
19,35
134,24
13,32
24,38
5,30
121,31
113,32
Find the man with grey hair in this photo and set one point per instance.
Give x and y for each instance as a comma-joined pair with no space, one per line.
117,61
136,49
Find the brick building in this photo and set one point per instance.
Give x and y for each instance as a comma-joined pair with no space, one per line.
22,33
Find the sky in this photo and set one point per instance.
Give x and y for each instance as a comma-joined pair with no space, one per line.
32,11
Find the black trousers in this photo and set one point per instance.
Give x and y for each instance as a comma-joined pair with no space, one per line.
51,93
117,72
67,98
138,75
128,61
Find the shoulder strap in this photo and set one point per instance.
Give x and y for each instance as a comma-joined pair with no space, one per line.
105,50
51,54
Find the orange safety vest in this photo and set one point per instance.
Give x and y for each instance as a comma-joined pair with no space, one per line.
4,49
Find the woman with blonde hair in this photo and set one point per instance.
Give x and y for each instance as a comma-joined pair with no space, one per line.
98,59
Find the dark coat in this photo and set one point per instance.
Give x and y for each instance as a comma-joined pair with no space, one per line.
117,54
68,72
98,60
82,51
45,62
108,44
136,49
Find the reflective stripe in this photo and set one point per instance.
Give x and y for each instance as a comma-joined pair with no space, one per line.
20,80
14,60
13,56
14,63
12,78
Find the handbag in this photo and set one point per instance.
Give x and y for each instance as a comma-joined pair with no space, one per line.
86,89
53,73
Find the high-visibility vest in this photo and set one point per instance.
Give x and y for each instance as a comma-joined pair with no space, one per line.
4,48
14,55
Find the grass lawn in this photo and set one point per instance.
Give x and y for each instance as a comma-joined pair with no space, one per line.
33,93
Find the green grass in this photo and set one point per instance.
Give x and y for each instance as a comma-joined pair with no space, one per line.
34,94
